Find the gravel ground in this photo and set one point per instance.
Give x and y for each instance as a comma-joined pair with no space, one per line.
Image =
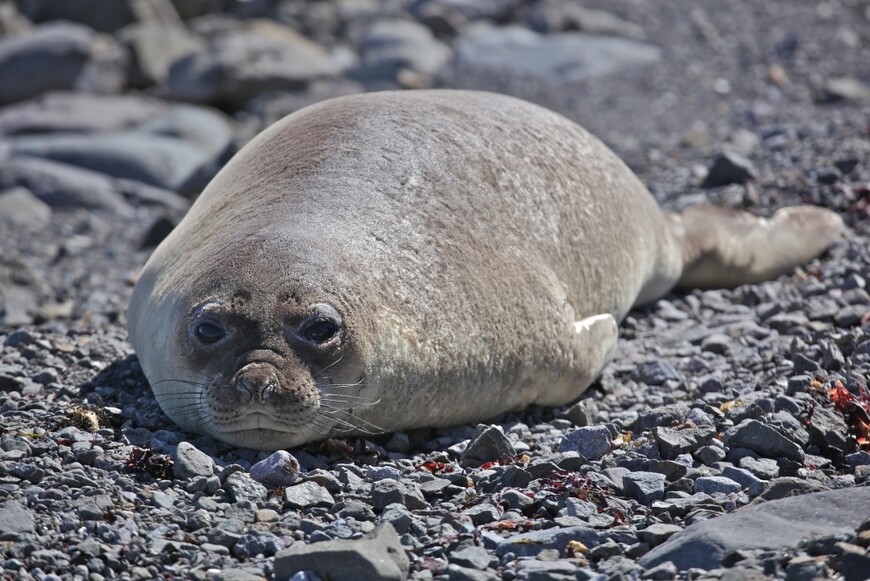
729,439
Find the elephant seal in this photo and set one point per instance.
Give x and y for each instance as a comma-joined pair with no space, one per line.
403,259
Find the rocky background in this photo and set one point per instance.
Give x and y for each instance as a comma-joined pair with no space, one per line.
730,438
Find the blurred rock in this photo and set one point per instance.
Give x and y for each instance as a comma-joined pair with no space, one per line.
242,60
11,20
61,185
78,113
20,208
565,57
178,151
189,9
498,11
101,15
556,15
153,47
21,291
844,89
391,46
729,168
58,57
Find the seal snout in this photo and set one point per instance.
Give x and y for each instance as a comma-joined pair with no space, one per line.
257,382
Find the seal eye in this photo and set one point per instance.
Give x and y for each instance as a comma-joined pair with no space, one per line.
319,331
209,333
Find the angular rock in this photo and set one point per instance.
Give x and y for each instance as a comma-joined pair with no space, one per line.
277,470
716,484
307,494
15,518
389,491
763,440
729,168
59,57
531,543
191,463
673,442
379,555
644,487
655,535
486,445
565,57
655,372
240,487
770,525
591,442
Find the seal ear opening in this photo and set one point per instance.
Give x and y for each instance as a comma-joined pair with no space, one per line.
724,248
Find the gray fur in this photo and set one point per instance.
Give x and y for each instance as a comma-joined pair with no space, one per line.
461,236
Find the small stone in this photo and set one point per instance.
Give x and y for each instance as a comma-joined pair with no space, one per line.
673,442
583,413
644,487
749,481
388,491
592,442
763,440
240,487
471,557
716,485
531,543
379,555
486,445
658,533
306,495
763,468
191,463
655,372
278,470
729,168
482,514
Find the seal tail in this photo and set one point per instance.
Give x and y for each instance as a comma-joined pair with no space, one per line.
724,248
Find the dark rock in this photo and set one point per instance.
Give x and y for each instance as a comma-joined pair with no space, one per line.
770,525
673,442
277,470
644,487
762,439
660,416
716,484
531,543
656,372
729,168
102,15
58,57
828,428
749,481
379,555
486,445
790,486
656,534
471,557
592,442
388,491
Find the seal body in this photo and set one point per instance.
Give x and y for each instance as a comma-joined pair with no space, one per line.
404,259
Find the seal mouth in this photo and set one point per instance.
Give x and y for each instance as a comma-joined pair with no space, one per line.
258,421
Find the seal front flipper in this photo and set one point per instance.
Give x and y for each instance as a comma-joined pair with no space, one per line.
594,343
727,248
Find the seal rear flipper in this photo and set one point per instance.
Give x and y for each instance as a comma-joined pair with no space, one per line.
724,248
594,343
